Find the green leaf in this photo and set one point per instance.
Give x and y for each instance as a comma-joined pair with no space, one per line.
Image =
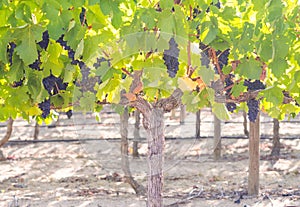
206,74
79,50
209,34
273,95
237,89
27,48
166,4
166,22
87,102
278,67
250,69
69,72
219,109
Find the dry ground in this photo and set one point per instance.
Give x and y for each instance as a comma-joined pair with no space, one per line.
87,172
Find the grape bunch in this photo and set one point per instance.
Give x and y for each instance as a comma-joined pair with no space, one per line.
253,109
45,41
71,52
171,58
223,58
53,84
10,50
204,55
45,107
69,114
36,65
254,85
231,106
196,12
218,5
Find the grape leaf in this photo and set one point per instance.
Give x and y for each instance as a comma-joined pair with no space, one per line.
27,48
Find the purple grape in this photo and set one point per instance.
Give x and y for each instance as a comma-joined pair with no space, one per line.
171,58
45,41
253,109
45,107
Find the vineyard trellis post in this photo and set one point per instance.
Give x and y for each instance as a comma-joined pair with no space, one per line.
254,157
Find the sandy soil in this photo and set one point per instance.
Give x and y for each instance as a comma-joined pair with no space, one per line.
86,172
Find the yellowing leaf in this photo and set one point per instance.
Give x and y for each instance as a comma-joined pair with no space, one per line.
34,111
186,84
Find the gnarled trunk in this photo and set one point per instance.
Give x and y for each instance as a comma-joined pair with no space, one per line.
139,190
245,124
136,134
8,132
276,138
154,125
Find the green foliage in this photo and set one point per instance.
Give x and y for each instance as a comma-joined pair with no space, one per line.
133,35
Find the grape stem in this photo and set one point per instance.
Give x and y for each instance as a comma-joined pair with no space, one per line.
215,61
229,87
127,72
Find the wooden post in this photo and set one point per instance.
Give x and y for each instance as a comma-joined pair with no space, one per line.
182,114
217,138
136,133
198,122
36,131
254,157
276,138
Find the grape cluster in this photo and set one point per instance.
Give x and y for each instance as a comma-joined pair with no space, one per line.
218,5
69,114
223,58
53,84
196,12
231,106
171,58
45,41
45,107
71,52
82,17
36,65
254,85
253,109
10,50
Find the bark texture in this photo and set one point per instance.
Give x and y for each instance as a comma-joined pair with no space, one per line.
9,129
198,122
182,113
245,124
276,138
136,133
36,131
254,156
217,138
139,190
153,122
155,129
